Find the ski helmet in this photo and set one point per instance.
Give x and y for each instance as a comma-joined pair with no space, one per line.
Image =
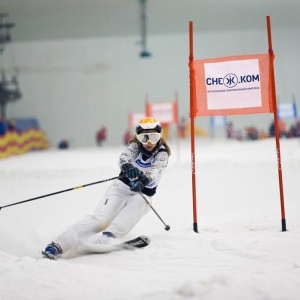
147,124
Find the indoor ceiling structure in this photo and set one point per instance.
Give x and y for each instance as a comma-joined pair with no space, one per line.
69,19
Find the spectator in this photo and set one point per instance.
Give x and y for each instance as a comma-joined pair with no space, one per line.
239,135
252,133
11,126
2,127
293,131
281,128
63,144
230,130
272,130
101,136
182,128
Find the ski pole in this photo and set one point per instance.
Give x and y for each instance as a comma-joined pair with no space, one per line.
167,227
59,192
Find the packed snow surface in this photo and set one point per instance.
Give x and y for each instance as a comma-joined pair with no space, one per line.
239,252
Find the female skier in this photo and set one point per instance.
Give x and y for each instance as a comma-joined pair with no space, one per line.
122,206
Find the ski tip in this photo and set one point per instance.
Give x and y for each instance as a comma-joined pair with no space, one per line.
139,242
146,239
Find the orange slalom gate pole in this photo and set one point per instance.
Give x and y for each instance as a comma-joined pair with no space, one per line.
192,117
283,220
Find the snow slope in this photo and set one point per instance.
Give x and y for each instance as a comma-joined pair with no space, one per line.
239,252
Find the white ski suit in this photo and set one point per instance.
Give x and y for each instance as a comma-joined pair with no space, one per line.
120,208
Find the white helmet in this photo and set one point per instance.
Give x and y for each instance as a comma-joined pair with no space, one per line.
147,124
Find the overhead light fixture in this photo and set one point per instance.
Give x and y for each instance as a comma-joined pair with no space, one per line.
144,53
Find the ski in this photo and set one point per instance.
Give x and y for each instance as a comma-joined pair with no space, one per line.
85,248
139,242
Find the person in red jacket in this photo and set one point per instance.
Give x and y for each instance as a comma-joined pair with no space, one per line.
101,136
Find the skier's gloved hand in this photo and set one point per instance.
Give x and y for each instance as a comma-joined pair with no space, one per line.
136,186
130,171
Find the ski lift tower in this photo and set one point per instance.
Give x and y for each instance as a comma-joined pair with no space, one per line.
9,89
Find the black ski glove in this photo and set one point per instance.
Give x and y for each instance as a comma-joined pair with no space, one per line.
138,185
130,171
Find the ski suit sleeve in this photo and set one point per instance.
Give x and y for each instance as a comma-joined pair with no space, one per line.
155,172
128,155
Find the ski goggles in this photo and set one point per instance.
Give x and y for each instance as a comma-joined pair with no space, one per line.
152,137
